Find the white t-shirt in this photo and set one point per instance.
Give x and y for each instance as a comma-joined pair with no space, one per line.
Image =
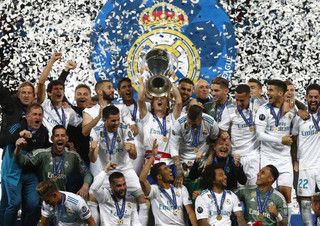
51,119
163,209
152,131
243,141
75,210
205,207
108,210
181,141
308,143
265,119
119,156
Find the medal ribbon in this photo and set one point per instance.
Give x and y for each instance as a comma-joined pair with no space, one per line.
276,117
187,102
56,169
63,117
249,122
221,110
60,209
172,200
196,139
315,121
225,165
120,212
134,113
113,141
219,209
264,204
163,125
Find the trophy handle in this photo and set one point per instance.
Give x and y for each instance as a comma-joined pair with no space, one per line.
173,62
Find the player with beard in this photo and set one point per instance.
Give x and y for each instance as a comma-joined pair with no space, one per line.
66,207
186,89
92,117
167,201
215,205
239,118
17,184
263,203
307,136
158,123
273,124
116,207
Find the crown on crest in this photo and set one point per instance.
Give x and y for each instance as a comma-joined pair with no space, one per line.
163,15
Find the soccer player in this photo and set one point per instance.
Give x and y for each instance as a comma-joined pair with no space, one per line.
202,91
17,184
66,207
215,204
219,91
240,119
307,135
273,126
116,207
263,203
167,201
189,136
256,91
186,89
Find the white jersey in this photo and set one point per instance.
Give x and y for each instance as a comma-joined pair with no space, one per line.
243,141
181,141
308,142
75,210
108,210
152,131
206,208
51,118
265,119
162,208
256,102
119,155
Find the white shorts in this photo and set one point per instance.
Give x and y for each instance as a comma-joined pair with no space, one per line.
285,169
308,178
132,181
251,164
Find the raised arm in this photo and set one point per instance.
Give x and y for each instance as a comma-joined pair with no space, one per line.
64,74
145,185
141,102
93,151
44,76
178,106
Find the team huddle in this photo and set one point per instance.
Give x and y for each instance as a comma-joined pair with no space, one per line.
186,158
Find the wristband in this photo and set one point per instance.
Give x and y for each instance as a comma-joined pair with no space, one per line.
279,218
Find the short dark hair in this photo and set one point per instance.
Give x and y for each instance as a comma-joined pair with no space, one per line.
313,87
274,172
243,88
186,80
100,84
34,105
125,79
54,83
220,81
83,86
155,170
194,112
59,127
46,188
256,81
278,83
110,110
115,175
208,176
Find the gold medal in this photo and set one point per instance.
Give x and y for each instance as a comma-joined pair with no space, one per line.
175,212
165,139
319,133
195,150
236,111
260,216
251,128
276,129
120,221
54,178
219,218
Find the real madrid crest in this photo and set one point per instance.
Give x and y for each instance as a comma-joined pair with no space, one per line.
118,139
129,204
205,132
177,194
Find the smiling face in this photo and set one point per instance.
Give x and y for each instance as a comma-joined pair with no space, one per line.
126,91
112,123
313,100
57,93
107,91
220,179
243,100
290,93
202,89
59,139
219,94
26,95
166,174
222,147
274,94
255,90
119,187
82,97
185,90
34,118
264,177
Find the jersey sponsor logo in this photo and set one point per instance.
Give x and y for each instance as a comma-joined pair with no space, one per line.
155,131
60,176
262,117
199,209
256,213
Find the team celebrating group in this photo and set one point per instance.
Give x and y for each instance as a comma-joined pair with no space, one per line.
195,159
